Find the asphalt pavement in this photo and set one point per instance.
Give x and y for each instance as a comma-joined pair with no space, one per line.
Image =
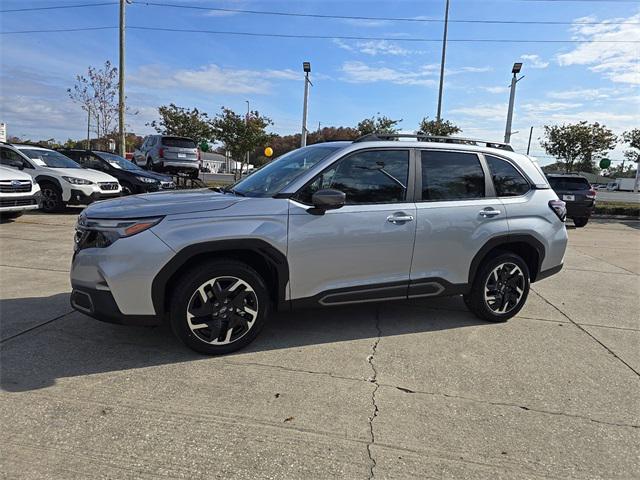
398,390
629,197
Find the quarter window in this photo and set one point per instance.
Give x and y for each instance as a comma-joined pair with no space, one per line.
507,181
451,176
375,176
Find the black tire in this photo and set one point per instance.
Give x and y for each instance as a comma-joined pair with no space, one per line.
219,276
580,222
51,197
505,288
149,165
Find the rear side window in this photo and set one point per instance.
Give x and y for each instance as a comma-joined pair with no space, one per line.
451,176
377,176
569,183
178,142
507,181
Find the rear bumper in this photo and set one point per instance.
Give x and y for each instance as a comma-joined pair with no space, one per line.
101,305
547,273
580,210
177,165
78,197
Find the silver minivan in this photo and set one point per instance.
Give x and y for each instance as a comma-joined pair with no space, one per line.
167,153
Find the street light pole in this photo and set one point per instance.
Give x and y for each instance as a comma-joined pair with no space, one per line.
306,66
88,127
246,120
444,52
512,96
122,147
529,144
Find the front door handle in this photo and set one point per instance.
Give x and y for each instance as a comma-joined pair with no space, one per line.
399,218
489,212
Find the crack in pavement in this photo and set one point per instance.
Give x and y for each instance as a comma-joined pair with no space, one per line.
289,369
36,327
588,333
373,379
514,405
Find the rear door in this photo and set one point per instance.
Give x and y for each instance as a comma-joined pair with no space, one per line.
457,213
362,251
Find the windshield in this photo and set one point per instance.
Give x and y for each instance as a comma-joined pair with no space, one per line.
569,183
49,158
178,142
273,177
117,161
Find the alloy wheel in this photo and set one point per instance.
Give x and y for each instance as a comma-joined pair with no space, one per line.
504,288
49,199
222,310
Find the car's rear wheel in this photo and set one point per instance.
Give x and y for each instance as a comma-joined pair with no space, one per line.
219,307
580,222
51,198
500,288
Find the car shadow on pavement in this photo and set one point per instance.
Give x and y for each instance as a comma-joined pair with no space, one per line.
75,345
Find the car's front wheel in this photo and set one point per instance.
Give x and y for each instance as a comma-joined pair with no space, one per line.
51,198
219,307
580,222
500,288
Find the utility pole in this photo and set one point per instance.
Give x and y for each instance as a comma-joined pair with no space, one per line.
122,147
306,66
246,120
529,144
88,127
512,96
444,53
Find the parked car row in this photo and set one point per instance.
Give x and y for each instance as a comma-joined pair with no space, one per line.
35,177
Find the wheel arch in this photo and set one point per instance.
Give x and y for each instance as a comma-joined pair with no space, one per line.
528,247
268,261
49,179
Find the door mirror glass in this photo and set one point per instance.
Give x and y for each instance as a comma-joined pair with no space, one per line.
328,199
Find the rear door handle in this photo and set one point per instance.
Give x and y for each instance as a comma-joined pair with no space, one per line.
399,218
489,213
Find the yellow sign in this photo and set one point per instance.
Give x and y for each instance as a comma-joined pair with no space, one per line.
268,151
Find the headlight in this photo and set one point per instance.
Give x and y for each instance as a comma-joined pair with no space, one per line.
147,180
97,233
77,181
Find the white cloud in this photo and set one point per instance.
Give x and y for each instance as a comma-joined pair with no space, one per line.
211,79
363,22
495,89
360,72
616,61
533,61
455,71
581,94
374,47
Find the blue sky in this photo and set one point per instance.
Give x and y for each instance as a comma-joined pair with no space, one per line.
353,79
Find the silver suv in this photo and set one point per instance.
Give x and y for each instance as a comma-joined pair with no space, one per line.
329,224
167,153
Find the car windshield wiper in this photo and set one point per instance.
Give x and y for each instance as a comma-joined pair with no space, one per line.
231,190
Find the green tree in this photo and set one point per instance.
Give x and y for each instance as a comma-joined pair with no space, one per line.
377,124
632,138
241,134
442,128
578,146
183,122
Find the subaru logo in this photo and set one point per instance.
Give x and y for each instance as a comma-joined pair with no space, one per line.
16,183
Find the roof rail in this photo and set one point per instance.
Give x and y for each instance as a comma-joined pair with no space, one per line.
423,137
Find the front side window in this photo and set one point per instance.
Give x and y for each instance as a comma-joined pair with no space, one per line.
507,181
451,176
377,176
12,159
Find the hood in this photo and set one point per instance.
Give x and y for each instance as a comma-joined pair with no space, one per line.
8,173
148,174
85,173
172,202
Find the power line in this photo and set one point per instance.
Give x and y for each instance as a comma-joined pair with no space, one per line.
359,17
58,7
320,37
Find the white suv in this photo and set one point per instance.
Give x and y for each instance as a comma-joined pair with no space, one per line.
62,181
17,193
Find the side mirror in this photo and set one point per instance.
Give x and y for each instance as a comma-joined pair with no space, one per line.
328,199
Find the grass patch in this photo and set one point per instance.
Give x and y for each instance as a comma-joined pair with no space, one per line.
618,208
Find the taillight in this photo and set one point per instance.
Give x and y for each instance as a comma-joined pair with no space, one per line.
559,208
592,193
161,152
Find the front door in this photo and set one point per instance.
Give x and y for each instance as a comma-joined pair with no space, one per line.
362,251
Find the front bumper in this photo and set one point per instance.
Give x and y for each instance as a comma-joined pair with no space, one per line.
78,197
101,305
20,203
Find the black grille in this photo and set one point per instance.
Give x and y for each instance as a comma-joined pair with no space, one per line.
15,186
17,202
108,185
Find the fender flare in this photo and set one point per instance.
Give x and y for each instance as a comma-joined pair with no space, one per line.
272,256
504,240
47,178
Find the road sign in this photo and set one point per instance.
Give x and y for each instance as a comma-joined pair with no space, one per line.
605,163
